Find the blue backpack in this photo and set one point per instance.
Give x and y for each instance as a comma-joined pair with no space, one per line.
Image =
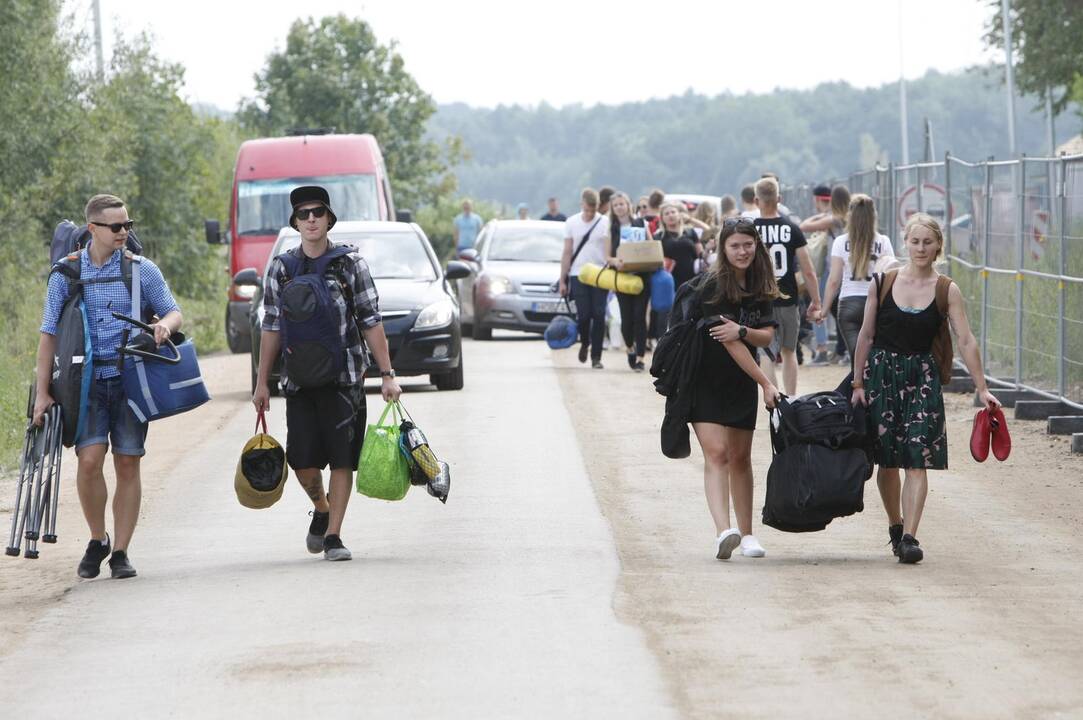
313,348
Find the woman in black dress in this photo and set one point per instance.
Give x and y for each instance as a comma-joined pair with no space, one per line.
901,382
737,295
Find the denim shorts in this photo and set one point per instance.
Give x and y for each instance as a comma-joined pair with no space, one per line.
110,420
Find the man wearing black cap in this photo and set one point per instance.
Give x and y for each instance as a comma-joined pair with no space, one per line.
321,311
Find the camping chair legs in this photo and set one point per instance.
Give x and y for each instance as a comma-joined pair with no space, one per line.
38,489
54,483
25,471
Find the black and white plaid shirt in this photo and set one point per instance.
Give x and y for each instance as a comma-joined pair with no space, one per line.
352,270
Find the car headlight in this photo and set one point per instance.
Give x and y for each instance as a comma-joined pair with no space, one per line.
436,315
498,285
245,292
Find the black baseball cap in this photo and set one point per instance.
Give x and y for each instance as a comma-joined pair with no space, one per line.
307,194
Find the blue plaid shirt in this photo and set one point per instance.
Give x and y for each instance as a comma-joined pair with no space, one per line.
102,300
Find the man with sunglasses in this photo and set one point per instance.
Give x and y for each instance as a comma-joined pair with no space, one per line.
109,418
325,420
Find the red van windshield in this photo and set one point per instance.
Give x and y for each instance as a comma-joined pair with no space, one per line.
263,206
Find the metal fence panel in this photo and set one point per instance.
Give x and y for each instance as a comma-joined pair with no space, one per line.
1014,241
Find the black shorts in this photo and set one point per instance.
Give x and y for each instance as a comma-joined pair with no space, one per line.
325,427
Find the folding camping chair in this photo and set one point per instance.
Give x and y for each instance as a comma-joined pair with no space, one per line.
38,490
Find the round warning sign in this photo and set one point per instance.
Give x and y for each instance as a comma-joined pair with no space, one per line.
934,201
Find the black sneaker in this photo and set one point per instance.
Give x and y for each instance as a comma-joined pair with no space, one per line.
91,564
333,549
316,530
632,360
120,566
639,366
596,364
895,532
909,552
583,351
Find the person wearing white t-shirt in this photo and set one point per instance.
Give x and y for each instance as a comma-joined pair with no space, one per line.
861,247
586,236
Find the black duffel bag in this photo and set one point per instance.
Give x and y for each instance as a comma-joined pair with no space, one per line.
821,462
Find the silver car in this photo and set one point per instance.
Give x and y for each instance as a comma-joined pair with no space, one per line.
515,267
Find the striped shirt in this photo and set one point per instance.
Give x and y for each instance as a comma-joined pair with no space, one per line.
102,299
354,271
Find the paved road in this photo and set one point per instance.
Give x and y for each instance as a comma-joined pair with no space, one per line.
499,604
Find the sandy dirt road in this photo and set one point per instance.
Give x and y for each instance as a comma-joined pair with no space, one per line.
570,575
828,625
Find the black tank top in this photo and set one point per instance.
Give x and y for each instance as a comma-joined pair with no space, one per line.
905,332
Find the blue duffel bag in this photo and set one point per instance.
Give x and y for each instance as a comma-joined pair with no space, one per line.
160,381
562,331
662,291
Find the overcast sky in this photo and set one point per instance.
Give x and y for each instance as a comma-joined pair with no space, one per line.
564,51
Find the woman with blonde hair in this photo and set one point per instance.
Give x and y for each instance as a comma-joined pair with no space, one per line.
854,258
680,244
624,228
898,378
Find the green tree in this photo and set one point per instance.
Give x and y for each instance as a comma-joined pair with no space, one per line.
334,73
1047,39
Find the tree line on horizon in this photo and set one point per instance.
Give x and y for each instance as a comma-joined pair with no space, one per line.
691,143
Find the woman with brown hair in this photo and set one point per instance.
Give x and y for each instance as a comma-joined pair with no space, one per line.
854,256
901,382
736,296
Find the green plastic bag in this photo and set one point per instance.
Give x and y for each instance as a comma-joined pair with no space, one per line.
382,472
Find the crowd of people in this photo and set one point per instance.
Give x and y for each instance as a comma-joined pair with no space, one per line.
764,280
753,279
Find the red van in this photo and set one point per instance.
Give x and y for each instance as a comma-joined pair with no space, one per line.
352,169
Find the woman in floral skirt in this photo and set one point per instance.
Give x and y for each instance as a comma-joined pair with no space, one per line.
901,381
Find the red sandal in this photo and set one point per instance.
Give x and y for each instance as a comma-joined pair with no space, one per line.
980,436
1002,440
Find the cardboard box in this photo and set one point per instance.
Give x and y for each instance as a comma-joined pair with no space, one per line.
641,256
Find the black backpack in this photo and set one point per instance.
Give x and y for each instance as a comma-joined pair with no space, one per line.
668,359
822,458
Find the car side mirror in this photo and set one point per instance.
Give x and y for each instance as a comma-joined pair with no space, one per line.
248,276
469,255
456,270
213,231
405,216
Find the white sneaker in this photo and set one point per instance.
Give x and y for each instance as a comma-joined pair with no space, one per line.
727,543
750,547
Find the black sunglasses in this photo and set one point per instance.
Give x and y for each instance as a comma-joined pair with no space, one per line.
115,227
315,212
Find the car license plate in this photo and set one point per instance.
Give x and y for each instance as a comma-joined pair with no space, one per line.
549,307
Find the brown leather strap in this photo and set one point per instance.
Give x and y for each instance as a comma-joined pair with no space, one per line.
943,284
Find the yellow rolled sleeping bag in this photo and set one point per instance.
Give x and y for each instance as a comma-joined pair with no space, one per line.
608,278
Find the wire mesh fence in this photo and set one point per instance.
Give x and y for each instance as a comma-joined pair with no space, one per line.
1014,245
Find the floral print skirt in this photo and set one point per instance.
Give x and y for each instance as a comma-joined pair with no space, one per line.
906,410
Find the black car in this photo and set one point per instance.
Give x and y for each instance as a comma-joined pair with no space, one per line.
417,300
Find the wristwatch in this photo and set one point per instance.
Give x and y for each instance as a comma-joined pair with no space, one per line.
741,332
387,373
